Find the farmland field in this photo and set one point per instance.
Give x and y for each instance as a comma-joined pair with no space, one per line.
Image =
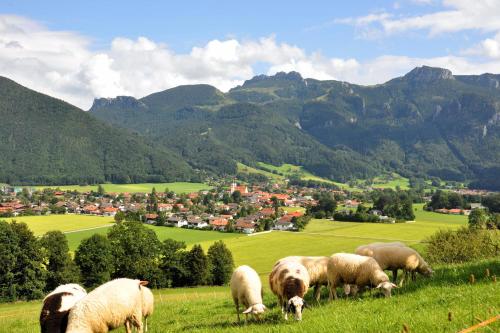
210,309
177,187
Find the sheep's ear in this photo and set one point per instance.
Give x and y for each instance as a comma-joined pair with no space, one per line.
264,307
248,310
394,286
143,283
379,285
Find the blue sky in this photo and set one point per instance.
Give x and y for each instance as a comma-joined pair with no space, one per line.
80,50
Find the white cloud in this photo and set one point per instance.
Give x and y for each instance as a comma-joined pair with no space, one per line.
459,15
63,65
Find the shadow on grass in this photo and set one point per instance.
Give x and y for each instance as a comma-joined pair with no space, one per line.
270,318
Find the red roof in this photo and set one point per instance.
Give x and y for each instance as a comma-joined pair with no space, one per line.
296,213
151,216
110,210
219,222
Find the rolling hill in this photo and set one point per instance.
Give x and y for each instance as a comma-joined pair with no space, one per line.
428,123
44,140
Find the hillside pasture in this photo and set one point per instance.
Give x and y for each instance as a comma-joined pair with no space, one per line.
210,309
177,187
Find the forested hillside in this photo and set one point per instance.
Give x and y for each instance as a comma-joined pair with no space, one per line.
426,123
44,140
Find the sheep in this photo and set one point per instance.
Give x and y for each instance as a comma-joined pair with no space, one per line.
353,269
316,267
246,288
290,282
405,258
367,250
147,308
56,306
115,303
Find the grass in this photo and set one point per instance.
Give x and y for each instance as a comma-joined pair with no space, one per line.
242,168
423,306
177,187
65,223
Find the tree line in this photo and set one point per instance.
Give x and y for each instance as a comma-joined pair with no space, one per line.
33,266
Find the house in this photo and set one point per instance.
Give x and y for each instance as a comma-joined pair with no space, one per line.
476,206
351,203
284,223
176,221
91,209
196,222
455,211
109,211
165,207
151,218
245,225
243,189
218,223
267,212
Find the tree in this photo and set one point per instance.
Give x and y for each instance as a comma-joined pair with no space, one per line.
8,250
119,217
60,268
236,196
29,276
492,202
326,205
94,258
198,266
221,263
173,263
136,250
100,190
478,219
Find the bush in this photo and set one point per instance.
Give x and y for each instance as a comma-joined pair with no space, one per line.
463,245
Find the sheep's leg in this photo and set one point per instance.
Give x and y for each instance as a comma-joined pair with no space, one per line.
137,318
127,326
394,275
237,304
413,276
403,278
317,292
146,324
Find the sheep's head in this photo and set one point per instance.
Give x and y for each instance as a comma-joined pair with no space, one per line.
386,288
256,310
426,271
296,305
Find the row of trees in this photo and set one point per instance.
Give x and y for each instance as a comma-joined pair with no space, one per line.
31,267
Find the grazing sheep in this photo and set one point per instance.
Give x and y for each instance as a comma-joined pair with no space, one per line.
115,303
56,306
405,258
246,288
367,250
361,271
316,267
290,281
147,308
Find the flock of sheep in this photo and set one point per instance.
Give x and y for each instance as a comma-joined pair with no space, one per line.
126,302
291,277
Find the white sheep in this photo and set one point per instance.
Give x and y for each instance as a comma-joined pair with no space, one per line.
56,306
367,250
246,289
405,258
147,308
109,306
361,271
290,282
317,269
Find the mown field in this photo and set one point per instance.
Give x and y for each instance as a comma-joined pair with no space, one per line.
423,306
177,187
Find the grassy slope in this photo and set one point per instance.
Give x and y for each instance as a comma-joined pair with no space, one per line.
422,306
66,223
178,187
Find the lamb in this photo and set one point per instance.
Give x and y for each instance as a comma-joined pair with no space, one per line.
115,303
246,288
56,306
290,281
316,267
361,271
405,258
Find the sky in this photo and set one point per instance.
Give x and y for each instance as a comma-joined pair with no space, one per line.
78,51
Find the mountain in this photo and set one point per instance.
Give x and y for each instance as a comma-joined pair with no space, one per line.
44,140
427,123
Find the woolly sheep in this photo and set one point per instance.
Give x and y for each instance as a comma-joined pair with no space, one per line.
361,271
246,289
147,308
109,306
290,281
316,267
56,306
367,250
405,258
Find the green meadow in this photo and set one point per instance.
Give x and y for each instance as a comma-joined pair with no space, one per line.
177,187
423,306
